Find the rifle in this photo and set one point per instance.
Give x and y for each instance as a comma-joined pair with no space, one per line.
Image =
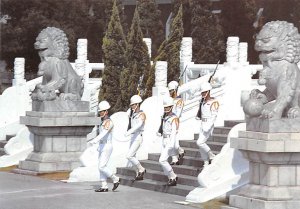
129,124
180,76
199,113
139,84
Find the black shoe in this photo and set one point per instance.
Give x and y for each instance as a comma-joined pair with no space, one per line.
140,176
116,185
175,163
172,182
180,159
101,190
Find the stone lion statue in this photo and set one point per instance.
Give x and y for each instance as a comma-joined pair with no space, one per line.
279,45
60,81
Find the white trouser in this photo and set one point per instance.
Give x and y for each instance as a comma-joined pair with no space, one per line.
167,151
105,151
136,142
177,150
206,129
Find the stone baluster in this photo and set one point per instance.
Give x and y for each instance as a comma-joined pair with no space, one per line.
19,71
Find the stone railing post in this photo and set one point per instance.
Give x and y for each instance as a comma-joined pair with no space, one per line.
161,74
81,63
232,50
19,72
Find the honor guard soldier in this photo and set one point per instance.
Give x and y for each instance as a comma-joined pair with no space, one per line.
135,131
177,110
169,130
104,139
209,112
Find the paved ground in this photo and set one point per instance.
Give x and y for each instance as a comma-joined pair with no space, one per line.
30,192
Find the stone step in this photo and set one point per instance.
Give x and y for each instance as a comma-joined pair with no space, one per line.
178,169
181,190
192,152
215,146
231,123
222,130
2,143
159,176
215,137
187,160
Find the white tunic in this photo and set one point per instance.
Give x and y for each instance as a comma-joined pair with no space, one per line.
105,135
137,123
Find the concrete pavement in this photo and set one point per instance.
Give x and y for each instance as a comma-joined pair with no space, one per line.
31,192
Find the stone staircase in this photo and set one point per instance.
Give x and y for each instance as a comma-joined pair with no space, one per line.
3,143
187,173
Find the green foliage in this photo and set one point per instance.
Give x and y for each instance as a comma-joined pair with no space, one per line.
114,47
150,23
208,40
186,14
237,20
169,51
78,19
138,63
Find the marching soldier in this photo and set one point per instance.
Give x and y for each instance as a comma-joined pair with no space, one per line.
209,112
135,131
177,110
169,131
104,139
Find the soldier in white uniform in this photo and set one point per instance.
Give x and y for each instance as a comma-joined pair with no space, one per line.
169,131
177,110
104,139
209,112
135,131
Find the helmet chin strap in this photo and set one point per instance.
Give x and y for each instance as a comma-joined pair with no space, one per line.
135,108
206,94
169,110
105,113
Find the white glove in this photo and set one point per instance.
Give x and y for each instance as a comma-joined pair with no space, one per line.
158,134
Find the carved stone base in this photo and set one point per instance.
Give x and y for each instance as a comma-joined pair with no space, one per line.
274,169
59,140
283,125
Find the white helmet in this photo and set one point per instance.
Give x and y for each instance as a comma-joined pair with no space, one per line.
135,99
173,85
205,87
104,105
168,101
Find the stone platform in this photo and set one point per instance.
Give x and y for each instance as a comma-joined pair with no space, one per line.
59,140
274,169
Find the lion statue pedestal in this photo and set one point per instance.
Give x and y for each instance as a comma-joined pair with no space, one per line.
271,141
60,121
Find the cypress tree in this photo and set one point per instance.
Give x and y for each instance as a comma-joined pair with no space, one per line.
169,51
150,23
237,19
138,63
208,38
114,47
